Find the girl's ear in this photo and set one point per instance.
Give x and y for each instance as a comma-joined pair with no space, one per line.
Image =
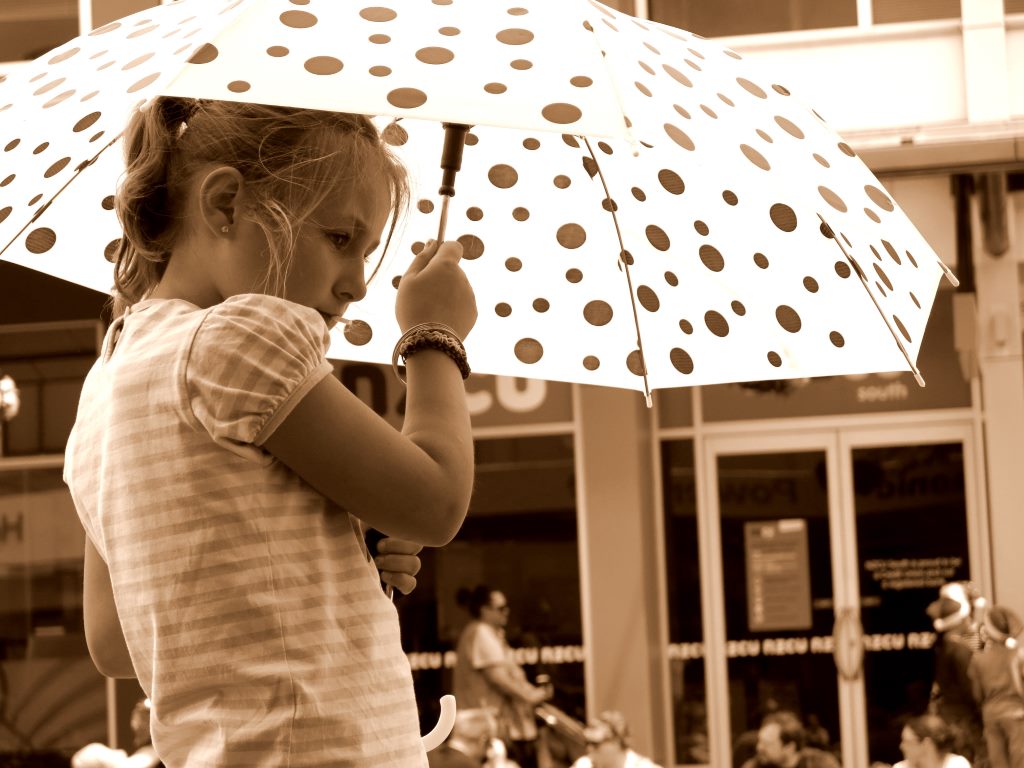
220,199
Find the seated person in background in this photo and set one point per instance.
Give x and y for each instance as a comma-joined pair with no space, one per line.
927,742
467,744
782,743
608,744
98,755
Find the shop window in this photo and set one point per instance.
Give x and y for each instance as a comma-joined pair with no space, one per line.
686,651
519,538
887,11
53,698
740,17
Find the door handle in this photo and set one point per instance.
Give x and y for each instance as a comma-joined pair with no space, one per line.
848,644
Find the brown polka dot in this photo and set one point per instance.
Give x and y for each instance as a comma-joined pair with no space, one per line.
846,149
716,323
832,199
541,305
140,84
472,246
647,68
474,214
634,360
35,199
514,36
891,251
471,139
517,11
755,157
41,148
495,88
40,240
642,88
609,205
301,19
671,279
789,127
562,182
911,259
702,229
879,198
774,359
842,269
513,264
679,136
358,333
726,100
380,71
58,99
639,194
49,86
872,215
5,212
730,197
143,31
107,203
591,363
712,258
811,284
883,277
686,327
503,176
752,88
761,260
826,231
379,39
449,31
681,111
561,114
502,309
110,250
765,137
581,81
573,275
63,56
520,214
781,89
15,142
738,308
521,64
821,161
434,55
605,147
788,318
376,13
783,217
238,86
571,236
681,360
677,75
837,339
597,312
57,167
277,51
8,180
529,351
671,182
425,206
913,298
648,298
709,111
657,237
903,328
407,98
323,65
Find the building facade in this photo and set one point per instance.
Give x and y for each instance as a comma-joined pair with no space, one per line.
732,549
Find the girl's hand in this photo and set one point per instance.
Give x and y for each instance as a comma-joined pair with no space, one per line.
434,289
398,563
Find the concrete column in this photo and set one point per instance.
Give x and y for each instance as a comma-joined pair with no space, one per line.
1001,373
626,669
986,72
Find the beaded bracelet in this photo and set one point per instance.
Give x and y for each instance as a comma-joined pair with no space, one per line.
430,336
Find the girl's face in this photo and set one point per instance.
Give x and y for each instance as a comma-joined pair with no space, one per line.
911,746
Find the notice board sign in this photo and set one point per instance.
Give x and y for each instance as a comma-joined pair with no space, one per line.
778,575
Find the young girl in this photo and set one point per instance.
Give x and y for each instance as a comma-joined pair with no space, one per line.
223,476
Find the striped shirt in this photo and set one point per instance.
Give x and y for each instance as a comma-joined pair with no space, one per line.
253,615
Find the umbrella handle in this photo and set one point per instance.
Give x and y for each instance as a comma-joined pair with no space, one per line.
451,162
444,724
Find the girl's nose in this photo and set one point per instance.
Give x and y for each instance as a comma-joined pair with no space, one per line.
351,285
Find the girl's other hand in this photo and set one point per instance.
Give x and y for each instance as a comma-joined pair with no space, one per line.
398,562
435,290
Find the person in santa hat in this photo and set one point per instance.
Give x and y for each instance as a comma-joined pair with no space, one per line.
995,675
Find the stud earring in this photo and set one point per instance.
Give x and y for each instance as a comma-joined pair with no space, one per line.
225,229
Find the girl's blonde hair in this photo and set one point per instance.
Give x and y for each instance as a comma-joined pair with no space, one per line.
291,160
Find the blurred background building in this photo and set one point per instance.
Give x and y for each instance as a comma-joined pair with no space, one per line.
734,549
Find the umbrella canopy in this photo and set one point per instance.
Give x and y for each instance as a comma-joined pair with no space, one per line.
639,207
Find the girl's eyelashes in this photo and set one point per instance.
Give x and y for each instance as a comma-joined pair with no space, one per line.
340,240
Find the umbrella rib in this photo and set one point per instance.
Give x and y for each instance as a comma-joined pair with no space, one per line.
624,262
863,280
35,216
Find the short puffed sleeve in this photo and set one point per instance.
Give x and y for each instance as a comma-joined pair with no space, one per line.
252,360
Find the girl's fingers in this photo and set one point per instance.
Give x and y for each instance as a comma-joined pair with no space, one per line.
403,582
392,546
421,259
408,564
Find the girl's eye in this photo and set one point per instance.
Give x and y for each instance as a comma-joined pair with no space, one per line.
340,240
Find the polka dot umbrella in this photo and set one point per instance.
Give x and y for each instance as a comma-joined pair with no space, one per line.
638,206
